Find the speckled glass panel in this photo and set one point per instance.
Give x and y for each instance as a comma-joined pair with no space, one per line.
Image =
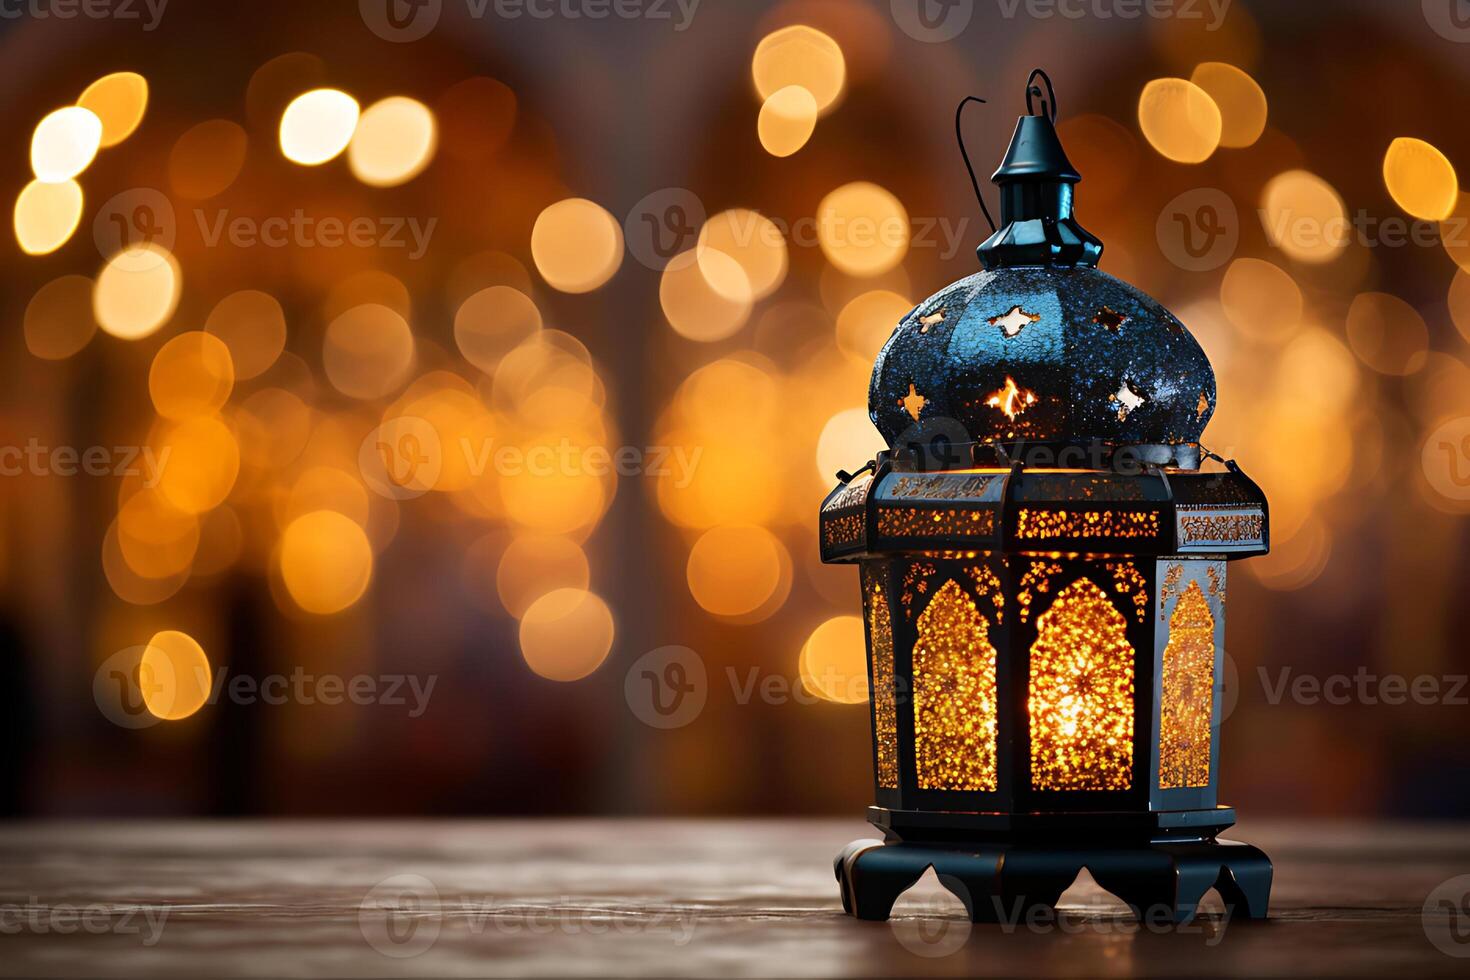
954,695
1081,694
1188,693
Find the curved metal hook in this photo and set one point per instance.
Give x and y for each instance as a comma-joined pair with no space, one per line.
1048,101
959,136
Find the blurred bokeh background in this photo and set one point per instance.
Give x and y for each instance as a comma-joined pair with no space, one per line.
396,375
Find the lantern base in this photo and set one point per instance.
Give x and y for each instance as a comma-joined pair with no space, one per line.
1159,880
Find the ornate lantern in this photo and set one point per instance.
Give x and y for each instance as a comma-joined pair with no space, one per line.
1042,560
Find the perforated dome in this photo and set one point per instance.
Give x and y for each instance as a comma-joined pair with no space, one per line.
1064,354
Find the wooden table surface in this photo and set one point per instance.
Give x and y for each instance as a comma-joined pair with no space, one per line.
728,898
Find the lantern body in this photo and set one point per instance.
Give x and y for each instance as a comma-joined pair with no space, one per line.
1043,571
1043,646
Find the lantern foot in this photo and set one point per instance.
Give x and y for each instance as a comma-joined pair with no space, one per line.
1013,883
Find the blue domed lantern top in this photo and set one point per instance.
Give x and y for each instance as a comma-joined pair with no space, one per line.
1041,347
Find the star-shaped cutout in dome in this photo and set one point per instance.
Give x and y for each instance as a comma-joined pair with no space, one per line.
1110,319
913,402
1013,320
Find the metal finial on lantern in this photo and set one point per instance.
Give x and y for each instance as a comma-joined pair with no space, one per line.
1043,577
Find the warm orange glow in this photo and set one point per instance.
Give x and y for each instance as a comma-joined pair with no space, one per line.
492,322
1012,400
1304,216
174,676
317,126
119,101
534,564
1179,119
848,440
65,143
46,215
754,243
1387,334
787,120
833,662
577,245
566,634
394,141
368,351
1261,299
733,571
207,158
1241,102
191,375
863,229
58,319
1420,178
199,461
705,295
155,538
326,561
253,326
137,291
866,323
800,56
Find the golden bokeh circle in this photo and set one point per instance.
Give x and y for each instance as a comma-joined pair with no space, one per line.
174,675
863,229
326,562
833,663
1179,120
576,245
566,634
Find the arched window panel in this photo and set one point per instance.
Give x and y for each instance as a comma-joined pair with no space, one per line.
1188,693
955,710
884,706
1080,701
